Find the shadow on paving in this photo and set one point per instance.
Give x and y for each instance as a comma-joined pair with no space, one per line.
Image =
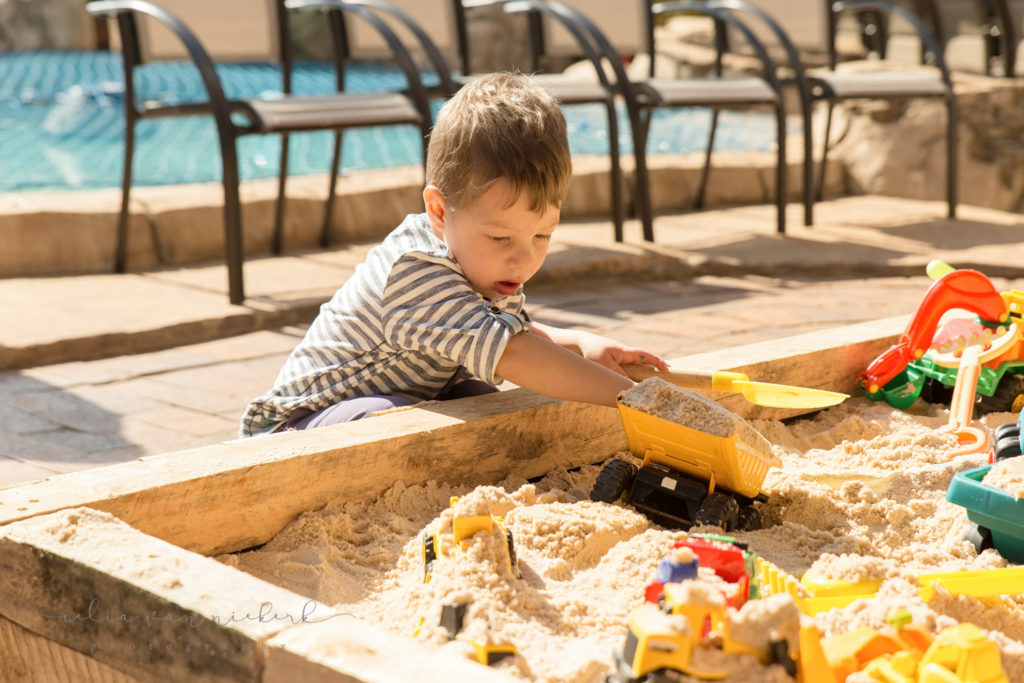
622,299
947,234
45,430
784,255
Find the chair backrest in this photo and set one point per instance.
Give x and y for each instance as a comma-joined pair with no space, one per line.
435,17
806,24
960,26
623,23
1012,14
230,30
965,29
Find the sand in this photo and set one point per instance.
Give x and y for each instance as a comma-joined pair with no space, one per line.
861,495
1007,475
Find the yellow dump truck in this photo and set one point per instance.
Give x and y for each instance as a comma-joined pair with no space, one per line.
709,471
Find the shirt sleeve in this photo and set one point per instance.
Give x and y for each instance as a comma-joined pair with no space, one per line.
430,309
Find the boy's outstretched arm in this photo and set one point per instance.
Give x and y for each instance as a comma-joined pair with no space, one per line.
535,362
601,350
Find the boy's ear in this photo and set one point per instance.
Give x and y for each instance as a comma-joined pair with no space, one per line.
436,208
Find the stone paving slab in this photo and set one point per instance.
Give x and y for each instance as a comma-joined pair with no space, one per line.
126,366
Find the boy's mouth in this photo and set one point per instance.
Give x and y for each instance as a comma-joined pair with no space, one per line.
506,287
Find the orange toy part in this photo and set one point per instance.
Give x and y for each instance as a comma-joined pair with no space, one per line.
967,289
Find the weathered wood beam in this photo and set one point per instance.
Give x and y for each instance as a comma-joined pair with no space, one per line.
81,582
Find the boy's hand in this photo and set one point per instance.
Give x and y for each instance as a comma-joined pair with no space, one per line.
611,354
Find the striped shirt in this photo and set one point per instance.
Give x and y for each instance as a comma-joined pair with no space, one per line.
404,324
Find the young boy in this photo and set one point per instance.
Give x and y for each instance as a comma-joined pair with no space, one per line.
436,311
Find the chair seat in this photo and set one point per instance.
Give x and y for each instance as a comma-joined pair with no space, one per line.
342,110
850,84
705,91
567,89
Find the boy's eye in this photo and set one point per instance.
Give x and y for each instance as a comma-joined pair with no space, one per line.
498,240
546,238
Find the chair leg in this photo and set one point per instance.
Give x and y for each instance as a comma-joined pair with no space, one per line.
121,248
781,171
618,212
643,184
233,247
702,181
325,231
952,155
820,190
277,245
808,168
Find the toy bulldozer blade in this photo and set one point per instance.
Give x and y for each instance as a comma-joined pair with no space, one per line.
758,393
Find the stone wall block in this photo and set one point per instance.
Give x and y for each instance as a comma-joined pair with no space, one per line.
370,204
45,25
898,148
673,183
590,188
74,233
736,178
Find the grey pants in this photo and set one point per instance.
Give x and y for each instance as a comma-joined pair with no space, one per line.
358,407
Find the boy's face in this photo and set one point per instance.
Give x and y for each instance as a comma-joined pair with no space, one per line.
498,246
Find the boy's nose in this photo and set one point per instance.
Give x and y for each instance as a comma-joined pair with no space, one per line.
521,256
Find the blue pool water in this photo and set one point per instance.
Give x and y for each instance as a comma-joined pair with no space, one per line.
62,124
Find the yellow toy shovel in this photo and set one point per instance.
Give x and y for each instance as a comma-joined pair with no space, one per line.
758,393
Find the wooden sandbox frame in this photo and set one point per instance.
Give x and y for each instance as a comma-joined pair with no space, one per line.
136,596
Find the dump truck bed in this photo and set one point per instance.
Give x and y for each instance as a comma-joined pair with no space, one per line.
725,461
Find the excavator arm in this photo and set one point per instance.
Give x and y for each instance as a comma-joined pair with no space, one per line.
965,289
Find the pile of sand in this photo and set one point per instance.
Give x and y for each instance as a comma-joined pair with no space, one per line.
1007,475
861,495
657,397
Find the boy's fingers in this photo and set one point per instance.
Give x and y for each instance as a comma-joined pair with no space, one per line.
651,359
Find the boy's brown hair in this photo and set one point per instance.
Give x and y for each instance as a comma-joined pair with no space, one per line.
500,126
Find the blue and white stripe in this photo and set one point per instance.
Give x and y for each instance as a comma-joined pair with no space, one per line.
403,324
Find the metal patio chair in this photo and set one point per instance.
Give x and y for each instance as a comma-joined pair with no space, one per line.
236,118
717,91
363,39
817,29
933,82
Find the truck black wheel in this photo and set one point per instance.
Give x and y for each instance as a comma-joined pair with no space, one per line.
511,548
1007,398
749,518
429,555
612,481
978,536
934,391
780,655
1008,446
1005,429
718,509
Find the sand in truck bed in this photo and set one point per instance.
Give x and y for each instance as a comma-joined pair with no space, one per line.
861,495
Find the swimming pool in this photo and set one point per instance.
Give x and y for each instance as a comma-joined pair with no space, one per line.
62,124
